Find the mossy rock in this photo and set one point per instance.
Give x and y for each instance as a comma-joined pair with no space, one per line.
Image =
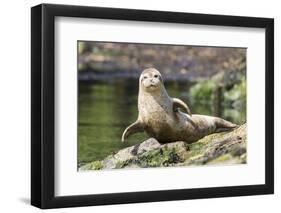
220,148
96,165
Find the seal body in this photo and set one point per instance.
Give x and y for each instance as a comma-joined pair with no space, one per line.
168,119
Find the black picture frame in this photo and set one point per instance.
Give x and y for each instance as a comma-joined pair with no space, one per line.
43,102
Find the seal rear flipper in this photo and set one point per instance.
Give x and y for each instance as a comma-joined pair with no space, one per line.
132,129
223,125
177,103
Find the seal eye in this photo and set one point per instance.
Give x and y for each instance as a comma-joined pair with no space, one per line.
144,77
156,76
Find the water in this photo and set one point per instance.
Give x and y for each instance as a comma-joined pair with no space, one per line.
107,108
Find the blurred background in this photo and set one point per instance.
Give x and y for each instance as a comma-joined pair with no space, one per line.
211,80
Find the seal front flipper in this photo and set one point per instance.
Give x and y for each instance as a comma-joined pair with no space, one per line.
132,129
177,103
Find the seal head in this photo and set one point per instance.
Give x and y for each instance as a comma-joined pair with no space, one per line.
150,80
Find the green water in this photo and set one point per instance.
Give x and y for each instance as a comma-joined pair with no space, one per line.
107,108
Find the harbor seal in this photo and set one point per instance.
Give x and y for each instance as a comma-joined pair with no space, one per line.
169,119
